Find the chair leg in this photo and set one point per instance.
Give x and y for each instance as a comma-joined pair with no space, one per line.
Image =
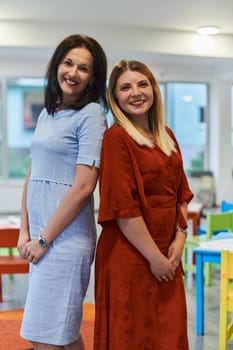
208,274
190,266
11,253
222,330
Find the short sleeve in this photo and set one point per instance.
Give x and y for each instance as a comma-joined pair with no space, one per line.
184,193
90,133
118,185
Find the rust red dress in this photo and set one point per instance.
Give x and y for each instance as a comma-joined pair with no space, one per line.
133,310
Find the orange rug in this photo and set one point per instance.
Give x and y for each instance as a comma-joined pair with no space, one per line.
10,325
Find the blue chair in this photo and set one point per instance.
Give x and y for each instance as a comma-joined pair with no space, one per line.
226,206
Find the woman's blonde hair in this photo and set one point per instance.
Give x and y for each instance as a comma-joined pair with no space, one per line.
155,114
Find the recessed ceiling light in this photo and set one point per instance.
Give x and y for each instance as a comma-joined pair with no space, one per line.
208,30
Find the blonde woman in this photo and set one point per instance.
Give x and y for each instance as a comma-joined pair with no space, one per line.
140,297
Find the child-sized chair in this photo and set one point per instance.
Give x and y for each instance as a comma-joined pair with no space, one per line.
215,222
10,264
226,206
226,299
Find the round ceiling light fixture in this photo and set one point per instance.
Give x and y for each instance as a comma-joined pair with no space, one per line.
208,30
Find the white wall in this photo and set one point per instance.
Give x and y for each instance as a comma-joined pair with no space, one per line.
10,197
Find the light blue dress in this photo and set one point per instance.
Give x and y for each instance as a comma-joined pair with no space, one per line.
58,282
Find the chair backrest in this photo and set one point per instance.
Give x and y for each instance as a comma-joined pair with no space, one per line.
216,222
9,237
226,206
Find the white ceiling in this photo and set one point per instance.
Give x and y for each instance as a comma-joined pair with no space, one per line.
181,15
158,31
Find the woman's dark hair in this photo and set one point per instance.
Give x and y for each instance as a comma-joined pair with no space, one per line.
94,93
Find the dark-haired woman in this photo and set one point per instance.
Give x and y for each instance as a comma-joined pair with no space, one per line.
58,234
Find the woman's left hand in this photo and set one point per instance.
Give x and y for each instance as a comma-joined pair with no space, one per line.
175,250
34,252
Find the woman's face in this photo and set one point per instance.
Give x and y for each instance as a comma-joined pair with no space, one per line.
134,94
74,74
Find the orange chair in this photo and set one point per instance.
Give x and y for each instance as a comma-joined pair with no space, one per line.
226,299
10,264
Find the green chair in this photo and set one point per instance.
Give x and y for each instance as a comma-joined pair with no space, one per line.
215,222
224,207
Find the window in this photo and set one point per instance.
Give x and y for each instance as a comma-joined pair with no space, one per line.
162,91
25,99
185,106
187,117
110,119
232,118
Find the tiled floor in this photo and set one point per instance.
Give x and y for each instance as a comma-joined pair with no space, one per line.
15,292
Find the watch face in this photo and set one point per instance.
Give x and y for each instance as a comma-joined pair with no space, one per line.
42,242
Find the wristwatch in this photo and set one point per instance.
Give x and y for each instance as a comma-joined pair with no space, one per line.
183,230
42,242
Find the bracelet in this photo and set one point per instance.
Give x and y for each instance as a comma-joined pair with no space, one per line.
180,229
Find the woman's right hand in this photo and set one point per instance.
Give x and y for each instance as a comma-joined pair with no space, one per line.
24,238
24,235
162,269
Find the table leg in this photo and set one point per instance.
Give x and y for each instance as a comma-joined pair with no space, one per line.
200,317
